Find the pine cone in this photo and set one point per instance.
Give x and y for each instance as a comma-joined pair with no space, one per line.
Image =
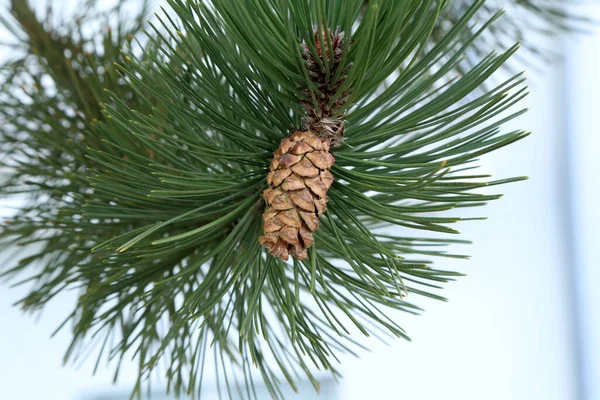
297,196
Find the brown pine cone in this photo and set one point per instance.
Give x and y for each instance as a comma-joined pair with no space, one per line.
297,196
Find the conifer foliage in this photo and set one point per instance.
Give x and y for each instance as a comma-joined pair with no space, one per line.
154,173
527,21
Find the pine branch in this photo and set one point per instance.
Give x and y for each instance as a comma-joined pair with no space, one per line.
52,50
50,97
527,22
155,216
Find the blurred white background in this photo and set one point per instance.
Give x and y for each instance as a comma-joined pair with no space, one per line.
523,325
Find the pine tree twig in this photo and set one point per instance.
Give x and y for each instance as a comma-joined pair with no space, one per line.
153,211
53,49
